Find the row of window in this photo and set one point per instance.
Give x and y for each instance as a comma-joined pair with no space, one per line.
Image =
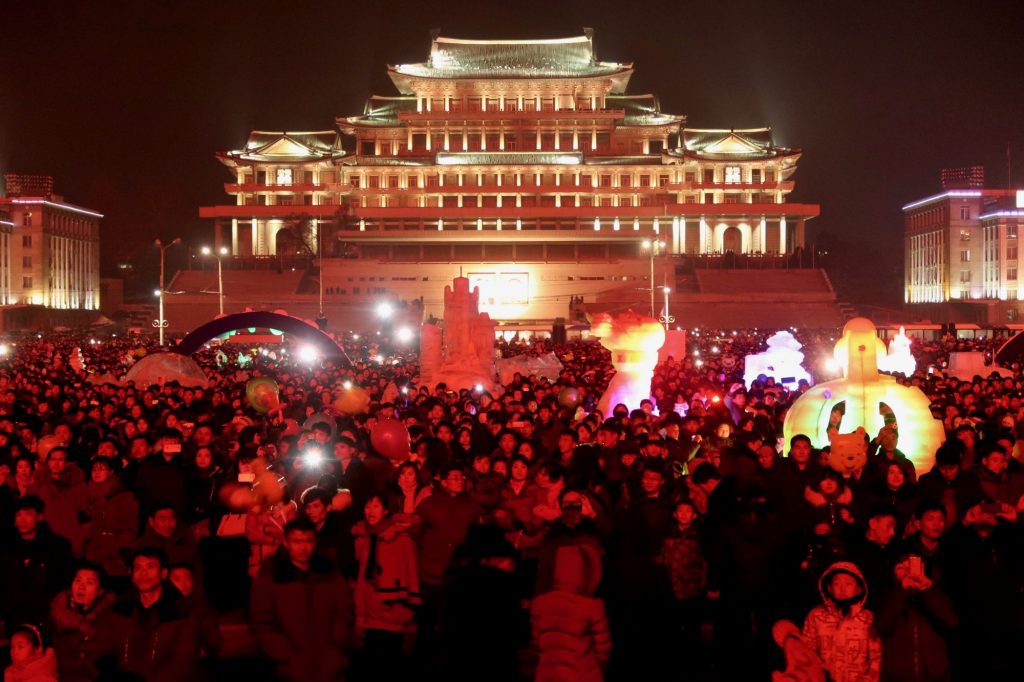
728,175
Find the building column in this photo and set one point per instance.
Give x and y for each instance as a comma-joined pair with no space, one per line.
782,234
255,244
234,236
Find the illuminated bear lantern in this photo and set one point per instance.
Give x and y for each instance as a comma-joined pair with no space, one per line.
862,395
634,341
848,452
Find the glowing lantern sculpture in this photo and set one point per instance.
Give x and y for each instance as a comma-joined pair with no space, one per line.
863,394
634,341
782,361
899,359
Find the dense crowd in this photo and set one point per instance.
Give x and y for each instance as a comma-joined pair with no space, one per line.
524,535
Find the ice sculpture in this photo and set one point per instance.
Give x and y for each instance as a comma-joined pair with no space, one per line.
861,396
461,354
899,359
634,341
782,361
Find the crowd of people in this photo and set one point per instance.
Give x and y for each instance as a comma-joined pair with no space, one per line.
168,532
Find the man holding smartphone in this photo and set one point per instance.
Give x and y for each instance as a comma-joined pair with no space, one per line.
162,476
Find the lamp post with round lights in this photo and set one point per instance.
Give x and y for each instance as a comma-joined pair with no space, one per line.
654,248
161,323
223,251
666,319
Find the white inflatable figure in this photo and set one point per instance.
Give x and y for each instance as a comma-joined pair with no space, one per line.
861,396
782,360
634,341
899,359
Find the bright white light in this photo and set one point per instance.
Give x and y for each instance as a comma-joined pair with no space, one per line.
4,349
384,309
646,243
696,353
223,250
206,250
404,334
156,292
312,457
355,337
831,365
699,363
346,384
379,358
714,349
307,354
667,290
479,388
405,390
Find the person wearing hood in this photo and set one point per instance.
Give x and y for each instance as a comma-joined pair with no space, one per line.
31,660
840,630
570,625
387,586
113,519
74,614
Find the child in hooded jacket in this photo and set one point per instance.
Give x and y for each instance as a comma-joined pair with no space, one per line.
840,630
570,625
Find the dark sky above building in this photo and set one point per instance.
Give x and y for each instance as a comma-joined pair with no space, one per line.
126,102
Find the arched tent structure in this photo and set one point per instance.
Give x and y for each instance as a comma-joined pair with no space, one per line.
157,369
264,320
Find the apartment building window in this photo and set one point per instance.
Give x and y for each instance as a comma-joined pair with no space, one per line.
755,176
965,256
965,235
1011,274
606,181
733,175
965,213
354,181
26,261
26,240
1011,231
769,176
965,276
374,181
26,282
284,176
366,148
26,219
645,180
691,177
1011,253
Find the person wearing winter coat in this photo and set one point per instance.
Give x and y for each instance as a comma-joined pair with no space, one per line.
62,489
74,614
840,630
148,631
31,660
444,518
112,515
174,539
387,585
913,619
570,625
34,565
301,610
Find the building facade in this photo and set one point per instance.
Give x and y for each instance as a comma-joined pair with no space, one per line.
524,164
50,248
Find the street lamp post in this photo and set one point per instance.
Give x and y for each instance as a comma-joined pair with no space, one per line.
666,319
220,275
655,248
161,323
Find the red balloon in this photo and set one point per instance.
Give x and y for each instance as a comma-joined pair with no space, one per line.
291,427
391,439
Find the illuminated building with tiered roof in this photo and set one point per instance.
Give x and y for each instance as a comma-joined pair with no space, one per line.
524,164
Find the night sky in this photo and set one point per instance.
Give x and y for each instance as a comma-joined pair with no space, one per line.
126,103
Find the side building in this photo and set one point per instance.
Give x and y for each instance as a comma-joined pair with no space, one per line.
526,166
49,248
961,254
